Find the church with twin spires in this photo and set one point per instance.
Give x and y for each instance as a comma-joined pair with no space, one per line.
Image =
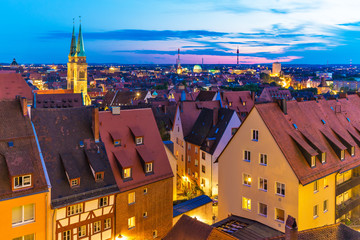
77,67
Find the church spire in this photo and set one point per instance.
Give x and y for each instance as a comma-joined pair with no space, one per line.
80,51
73,42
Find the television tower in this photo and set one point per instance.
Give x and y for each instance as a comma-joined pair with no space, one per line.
178,68
237,56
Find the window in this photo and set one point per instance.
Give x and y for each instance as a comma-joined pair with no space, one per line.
230,104
117,143
352,151
203,182
280,189
145,190
99,176
189,171
97,226
316,186
189,159
263,184
155,234
127,172
131,198
323,157
189,146
145,214
263,159
342,157
279,214
148,167
263,209
326,182
82,231
23,214
75,182
196,162
255,135
107,223
103,202
196,150
325,208
131,222
246,203
22,181
203,168
196,175
203,155
247,156
313,163
74,209
233,131
26,237
139,140
246,179
315,213
66,235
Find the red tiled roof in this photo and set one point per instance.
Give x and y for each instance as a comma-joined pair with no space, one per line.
237,100
308,118
12,84
144,120
123,159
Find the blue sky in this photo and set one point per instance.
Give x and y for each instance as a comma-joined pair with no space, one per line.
150,31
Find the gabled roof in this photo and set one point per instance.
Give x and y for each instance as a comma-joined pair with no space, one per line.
60,132
127,153
201,127
329,131
206,96
240,101
12,85
23,157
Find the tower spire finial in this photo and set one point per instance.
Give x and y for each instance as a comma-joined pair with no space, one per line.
80,50
73,41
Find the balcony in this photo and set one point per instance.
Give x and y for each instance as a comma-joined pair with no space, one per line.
347,206
343,187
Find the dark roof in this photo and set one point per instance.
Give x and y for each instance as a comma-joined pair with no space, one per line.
205,96
246,229
12,85
190,205
23,157
328,122
188,228
65,100
62,132
141,122
118,98
201,127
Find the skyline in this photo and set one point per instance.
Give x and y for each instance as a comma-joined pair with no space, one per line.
135,32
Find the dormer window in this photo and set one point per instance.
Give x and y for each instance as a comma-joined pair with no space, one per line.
127,173
313,162
342,155
139,140
22,181
117,143
244,103
230,104
352,151
75,182
148,167
323,157
99,176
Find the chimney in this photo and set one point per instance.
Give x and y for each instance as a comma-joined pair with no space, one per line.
291,230
253,96
95,124
283,105
23,102
215,116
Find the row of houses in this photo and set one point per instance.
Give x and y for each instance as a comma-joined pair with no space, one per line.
77,173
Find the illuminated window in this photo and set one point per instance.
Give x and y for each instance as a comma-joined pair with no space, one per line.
155,234
66,235
342,157
196,175
22,181
316,186
246,203
352,151
279,214
247,156
99,176
263,184
263,159
246,179
323,157
74,209
23,214
280,189
74,182
255,135
107,223
139,140
117,143
145,214
148,167
103,202
313,163
315,212
145,190
263,209
97,226
131,198
82,231
127,172
26,237
131,222
196,162
230,104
